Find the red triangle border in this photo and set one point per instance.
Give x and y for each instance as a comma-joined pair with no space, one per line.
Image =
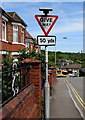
46,33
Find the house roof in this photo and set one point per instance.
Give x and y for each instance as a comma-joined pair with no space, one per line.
71,66
16,17
74,66
12,16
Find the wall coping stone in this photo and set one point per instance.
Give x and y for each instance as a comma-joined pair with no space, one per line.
27,60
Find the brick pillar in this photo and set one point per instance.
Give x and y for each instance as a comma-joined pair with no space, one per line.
35,77
53,74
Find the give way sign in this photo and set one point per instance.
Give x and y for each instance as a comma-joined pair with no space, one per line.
46,22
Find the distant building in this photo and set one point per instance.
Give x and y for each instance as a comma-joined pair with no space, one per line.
71,67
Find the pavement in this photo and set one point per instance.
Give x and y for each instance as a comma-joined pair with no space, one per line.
62,105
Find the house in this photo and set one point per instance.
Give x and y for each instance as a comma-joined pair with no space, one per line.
13,34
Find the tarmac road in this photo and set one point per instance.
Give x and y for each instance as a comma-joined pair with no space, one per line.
77,90
62,105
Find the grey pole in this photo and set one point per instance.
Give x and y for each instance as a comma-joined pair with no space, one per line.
47,88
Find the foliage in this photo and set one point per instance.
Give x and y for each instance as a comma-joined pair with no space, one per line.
77,58
7,61
7,75
25,53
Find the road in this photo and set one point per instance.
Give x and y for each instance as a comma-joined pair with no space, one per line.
67,100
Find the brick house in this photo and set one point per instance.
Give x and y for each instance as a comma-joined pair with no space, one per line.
13,34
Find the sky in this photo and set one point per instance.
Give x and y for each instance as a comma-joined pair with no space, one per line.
69,23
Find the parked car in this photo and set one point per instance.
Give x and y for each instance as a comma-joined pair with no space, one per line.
71,75
61,73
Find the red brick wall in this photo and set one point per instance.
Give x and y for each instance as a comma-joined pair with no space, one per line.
21,106
9,31
11,47
52,77
19,34
35,77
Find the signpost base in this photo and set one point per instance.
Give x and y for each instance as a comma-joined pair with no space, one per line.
47,100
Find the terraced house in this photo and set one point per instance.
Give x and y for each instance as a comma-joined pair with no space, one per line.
13,34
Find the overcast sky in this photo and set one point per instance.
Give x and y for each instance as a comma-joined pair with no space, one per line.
69,23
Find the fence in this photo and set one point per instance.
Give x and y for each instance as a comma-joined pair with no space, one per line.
14,81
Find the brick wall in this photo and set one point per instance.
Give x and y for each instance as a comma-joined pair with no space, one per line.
9,32
21,106
19,34
27,104
11,47
52,77
35,77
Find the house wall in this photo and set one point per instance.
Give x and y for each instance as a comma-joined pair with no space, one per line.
9,32
11,47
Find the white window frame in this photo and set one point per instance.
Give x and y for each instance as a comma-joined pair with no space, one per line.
5,30
22,37
13,33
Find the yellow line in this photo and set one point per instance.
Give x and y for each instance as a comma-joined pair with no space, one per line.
78,99
76,95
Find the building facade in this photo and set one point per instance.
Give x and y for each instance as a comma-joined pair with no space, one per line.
13,34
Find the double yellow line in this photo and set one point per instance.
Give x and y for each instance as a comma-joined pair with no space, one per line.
80,100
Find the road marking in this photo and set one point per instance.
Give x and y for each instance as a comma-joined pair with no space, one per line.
80,111
76,94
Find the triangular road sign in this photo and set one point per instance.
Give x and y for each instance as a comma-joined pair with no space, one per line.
46,22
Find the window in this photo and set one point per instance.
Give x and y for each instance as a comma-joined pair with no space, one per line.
15,33
22,35
27,44
3,30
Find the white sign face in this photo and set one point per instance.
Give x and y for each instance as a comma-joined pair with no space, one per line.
46,40
46,22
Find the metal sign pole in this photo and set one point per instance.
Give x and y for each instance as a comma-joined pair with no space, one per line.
47,88
46,22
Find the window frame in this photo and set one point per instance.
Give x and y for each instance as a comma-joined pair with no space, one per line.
4,39
22,37
14,30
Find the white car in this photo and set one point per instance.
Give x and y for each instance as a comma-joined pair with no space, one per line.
71,75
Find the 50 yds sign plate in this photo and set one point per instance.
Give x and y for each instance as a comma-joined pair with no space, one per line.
46,40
